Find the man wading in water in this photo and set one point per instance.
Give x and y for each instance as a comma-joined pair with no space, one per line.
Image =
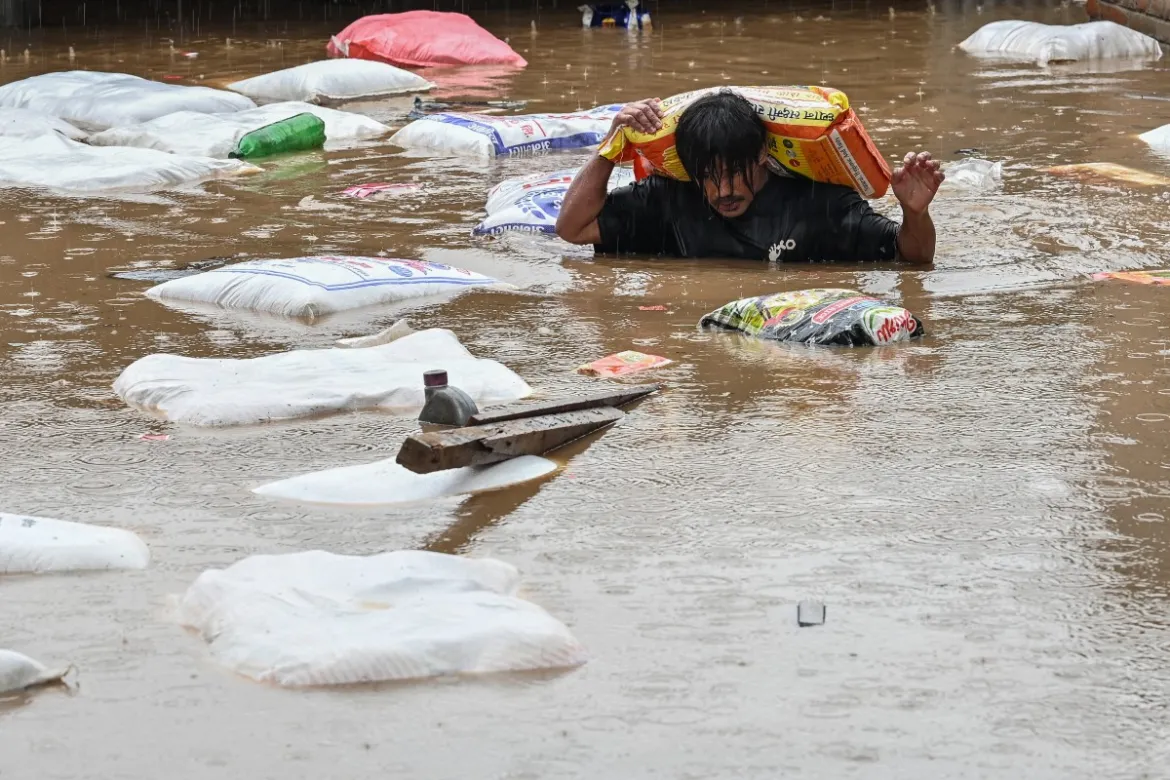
739,208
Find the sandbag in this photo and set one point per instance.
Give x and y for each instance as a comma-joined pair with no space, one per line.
1158,139
973,175
312,287
96,101
1159,277
812,133
25,123
821,316
55,162
385,482
218,135
314,618
310,382
332,81
35,545
422,39
19,672
1048,43
530,204
489,136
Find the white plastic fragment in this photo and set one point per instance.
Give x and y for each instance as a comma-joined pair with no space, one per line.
217,135
385,482
1049,43
23,123
54,162
96,101
19,672
332,81
301,383
531,204
314,618
37,545
973,175
484,135
393,333
312,287
1158,139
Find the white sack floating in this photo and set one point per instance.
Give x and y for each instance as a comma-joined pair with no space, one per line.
37,545
385,482
314,618
309,382
312,287
217,135
96,101
332,81
1053,43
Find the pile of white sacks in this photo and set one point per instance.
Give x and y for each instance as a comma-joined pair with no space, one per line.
86,131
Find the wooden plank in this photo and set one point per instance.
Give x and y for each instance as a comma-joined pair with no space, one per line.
611,398
481,445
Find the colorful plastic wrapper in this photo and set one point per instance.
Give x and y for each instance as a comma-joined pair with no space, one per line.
1159,277
380,189
818,316
812,133
623,363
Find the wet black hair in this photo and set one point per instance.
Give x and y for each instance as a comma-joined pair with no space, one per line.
718,131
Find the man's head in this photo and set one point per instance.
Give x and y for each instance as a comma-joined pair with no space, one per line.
721,142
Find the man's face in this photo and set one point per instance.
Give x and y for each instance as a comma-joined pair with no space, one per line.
731,196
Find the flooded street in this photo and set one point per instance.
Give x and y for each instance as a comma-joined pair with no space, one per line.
984,511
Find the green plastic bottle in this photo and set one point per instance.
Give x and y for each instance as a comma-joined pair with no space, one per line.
295,134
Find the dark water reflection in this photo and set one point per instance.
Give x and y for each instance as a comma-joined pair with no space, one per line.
984,512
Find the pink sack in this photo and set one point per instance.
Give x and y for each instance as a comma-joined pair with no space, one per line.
420,39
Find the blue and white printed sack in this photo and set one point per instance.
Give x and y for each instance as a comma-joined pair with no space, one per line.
312,287
490,136
530,204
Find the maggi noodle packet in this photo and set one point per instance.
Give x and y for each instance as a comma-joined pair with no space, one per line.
812,132
820,316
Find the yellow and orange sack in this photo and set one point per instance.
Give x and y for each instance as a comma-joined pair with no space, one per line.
812,132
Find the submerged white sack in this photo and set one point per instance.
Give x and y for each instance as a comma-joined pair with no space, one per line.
385,482
314,618
19,672
97,101
304,382
23,123
531,204
1045,43
313,287
217,135
34,545
488,136
55,162
332,81
973,175
1158,139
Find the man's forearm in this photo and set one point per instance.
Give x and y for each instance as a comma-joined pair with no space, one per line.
916,238
577,222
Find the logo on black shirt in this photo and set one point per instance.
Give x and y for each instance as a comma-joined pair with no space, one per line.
779,248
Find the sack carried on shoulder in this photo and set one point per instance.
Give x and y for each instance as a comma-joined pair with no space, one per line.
812,132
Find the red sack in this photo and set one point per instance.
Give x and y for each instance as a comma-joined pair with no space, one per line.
421,39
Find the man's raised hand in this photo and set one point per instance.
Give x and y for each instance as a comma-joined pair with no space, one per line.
916,181
645,116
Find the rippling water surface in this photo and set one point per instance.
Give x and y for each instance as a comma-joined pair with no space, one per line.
984,512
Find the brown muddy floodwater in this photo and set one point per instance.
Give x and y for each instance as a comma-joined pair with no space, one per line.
984,512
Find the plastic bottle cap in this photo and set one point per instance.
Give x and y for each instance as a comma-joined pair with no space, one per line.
436,378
